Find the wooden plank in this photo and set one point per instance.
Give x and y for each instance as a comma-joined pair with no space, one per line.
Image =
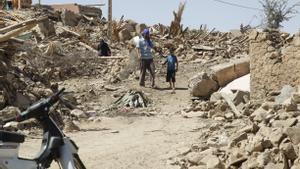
15,32
111,57
88,47
19,25
72,32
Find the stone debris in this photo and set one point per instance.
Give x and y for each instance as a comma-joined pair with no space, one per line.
264,137
40,48
132,99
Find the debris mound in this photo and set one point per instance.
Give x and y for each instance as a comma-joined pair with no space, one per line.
132,99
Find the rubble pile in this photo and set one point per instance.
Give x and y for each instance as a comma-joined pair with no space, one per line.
133,99
264,135
65,35
41,46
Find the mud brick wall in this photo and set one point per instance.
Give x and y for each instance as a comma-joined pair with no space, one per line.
274,62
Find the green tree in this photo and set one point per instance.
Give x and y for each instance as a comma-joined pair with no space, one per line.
277,11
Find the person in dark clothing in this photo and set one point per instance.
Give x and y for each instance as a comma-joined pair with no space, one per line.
172,68
103,49
9,4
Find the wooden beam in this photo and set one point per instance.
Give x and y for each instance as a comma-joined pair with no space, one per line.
72,32
109,19
21,24
111,57
95,5
88,47
15,32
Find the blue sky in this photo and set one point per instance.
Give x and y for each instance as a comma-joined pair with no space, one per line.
214,14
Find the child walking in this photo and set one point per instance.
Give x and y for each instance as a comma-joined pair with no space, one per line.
172,68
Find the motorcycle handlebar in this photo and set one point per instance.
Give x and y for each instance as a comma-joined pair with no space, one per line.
38,109
53,99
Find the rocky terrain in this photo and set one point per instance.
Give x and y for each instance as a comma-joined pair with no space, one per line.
128,126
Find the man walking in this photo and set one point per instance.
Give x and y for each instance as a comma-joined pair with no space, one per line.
145,47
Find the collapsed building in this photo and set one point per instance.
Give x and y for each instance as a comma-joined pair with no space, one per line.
274,62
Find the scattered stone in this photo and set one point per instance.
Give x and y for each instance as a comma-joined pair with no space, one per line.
285,123
290,106
199,114
295,98
79,113
289,151
275,166
294,134
110,88
241,97
202,85
9,112
238,138
212,162
12,126
70,126
285,93
250,129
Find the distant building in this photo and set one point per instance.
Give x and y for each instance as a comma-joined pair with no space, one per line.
80,9
18,4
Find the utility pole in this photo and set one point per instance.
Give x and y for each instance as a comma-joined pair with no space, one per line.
109,32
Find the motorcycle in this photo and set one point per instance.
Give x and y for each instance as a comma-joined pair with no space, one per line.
55,144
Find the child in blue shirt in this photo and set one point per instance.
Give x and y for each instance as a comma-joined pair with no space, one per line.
172,68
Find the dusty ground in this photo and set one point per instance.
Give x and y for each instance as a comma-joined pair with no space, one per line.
133,141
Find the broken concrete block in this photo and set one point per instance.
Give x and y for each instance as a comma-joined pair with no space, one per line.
8,112
294,134
253,128
78,113
259,115
295,98
13,126
285,123
212,162
275,135
227,72
263,158
290,106
275,166
289,151
195,158
202,85
238,138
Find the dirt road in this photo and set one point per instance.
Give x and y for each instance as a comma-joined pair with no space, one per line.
132,143
136,142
